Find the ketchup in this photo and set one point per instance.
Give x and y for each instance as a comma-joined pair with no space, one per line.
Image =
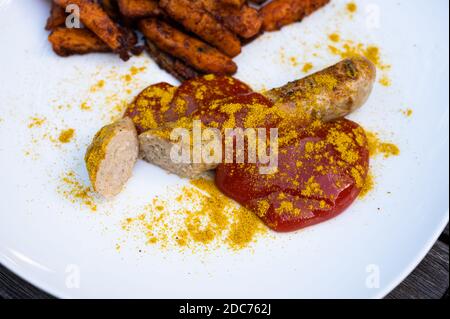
320,173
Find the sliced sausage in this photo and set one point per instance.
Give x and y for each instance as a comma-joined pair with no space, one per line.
111,157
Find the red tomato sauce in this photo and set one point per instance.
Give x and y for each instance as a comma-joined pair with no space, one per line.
320,174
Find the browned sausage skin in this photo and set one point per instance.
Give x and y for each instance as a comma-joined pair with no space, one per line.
328,94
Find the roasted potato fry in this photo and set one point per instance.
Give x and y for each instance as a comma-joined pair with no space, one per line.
243,20
95,18
279,13
174,66
66,42
111,8
57,17
137,9
194,52
192,15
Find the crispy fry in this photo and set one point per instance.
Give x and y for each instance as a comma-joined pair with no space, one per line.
194,52
137,9
176,67
95,18
279,13
111,8
66,42
57,17
192,15
243,20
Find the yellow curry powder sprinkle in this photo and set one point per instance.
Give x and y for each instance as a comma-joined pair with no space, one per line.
369,184
85,106
385,81
407,112
97,86
294,61
36,122
377,147
334,37
307,67
198,216
72,189
352,7
66,135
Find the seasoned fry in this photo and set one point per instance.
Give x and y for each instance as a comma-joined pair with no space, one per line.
66,42
194,52
137,9
192,15
165,61
244,20
279,13
57,17
111,8
95,18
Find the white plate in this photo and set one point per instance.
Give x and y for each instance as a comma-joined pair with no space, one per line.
364,253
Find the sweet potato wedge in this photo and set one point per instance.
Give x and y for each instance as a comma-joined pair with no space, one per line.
190,50
243,20
180,70
234,3
97,20
138,9
57,17
67,42
279,13
192,15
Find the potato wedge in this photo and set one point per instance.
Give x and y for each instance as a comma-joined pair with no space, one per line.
96,19
67,42
190,50
192,15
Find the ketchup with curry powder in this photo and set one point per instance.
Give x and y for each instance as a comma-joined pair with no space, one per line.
320,173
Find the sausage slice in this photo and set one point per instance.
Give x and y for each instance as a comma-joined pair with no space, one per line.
111,157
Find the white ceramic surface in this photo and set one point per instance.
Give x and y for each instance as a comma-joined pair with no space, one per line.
45,239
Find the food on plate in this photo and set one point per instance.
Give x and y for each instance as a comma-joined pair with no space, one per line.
57,17
148,108
111,157
194,18
66,42
279,13
190,37
322,162
224,102
136,9
194,52
111,8
119,39
156,146
177,68
242,20
235,3
329,94
320,173
197,94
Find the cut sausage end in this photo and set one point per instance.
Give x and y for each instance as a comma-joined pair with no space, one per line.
111,157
